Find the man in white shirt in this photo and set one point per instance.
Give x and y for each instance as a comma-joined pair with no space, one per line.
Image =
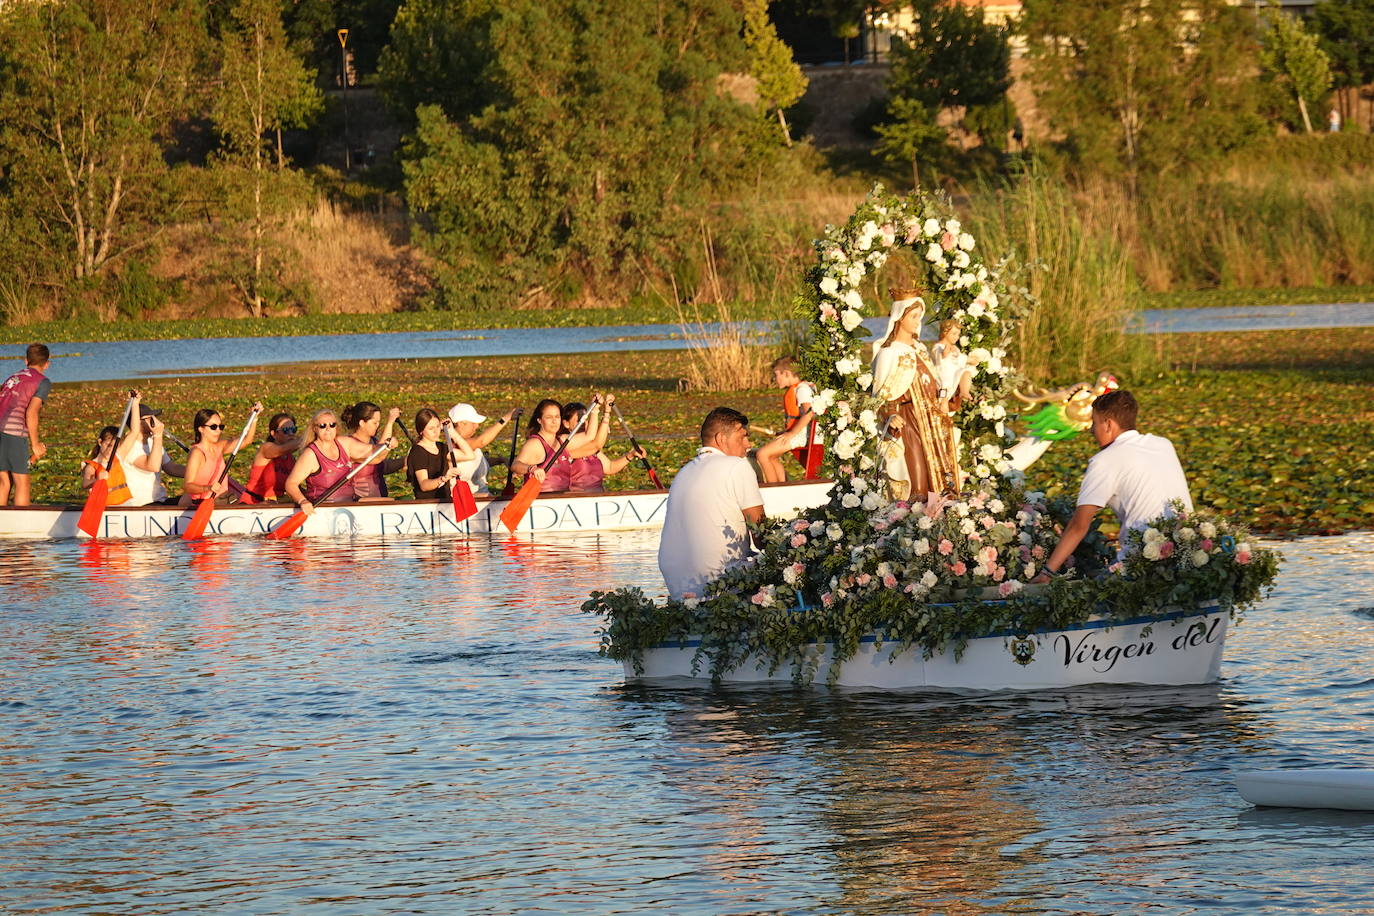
1136,475
711,502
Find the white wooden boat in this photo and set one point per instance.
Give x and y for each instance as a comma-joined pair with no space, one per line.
395,518
1170,648
1348,790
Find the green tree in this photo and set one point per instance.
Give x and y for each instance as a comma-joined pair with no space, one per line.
953,57
909,135
88,91
1345,29
1293,59
264,87
436,55
779,80
1141,87
588,163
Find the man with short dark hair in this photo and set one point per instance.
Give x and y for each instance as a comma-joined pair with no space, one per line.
710,505
1136,474
21,401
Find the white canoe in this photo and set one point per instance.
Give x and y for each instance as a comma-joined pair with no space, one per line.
395,518
1172,648
1349,790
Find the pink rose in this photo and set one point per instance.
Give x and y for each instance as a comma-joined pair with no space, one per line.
1166,549
798,540
827,599
947,241
1243,557
958,568
975,538
889,234
759,598
903,504
889,581
880,525
987,521
1038,552
1025,553
864,579
1207,544
1005,589
800,524
946,547
999,574
910,588
989,555
828,311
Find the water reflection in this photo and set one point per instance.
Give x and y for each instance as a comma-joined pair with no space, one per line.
425,726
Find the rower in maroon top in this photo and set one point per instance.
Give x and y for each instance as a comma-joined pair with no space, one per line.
322,463
546,434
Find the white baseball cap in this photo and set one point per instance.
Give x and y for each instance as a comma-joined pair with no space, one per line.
464,413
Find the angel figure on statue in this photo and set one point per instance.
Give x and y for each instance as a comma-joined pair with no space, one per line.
919,453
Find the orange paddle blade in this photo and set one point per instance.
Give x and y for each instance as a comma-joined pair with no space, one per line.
464,505
199,520
288,527
512,515
94,509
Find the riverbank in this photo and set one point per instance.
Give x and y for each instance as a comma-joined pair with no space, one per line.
1272,426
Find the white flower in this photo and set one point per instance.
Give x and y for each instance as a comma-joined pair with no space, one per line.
823,401
865,380
952,226
1029,572
931,228
849,365
869,421
997,507
872,501
979,355
817,528
962,509
851,319
1185,534
852,299
829,286
1199,558
847,445
961,260
1152,536
968,526
865,463
1208,529
966,242
994,365
921,548
924,523
855,275
834,532
929,580
691,601
982,471
789,575
975,308
989,452
1150,551
934,254
858,484
850,501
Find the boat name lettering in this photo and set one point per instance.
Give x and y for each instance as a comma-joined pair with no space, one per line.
1085,650
1197,634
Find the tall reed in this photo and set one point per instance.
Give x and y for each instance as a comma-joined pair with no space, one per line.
1076,281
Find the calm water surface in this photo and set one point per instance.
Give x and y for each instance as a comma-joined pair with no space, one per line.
245,726
138,359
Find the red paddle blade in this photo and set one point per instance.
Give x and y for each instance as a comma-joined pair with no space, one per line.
94,509
199,520
512,515
653,478
288,527
464,505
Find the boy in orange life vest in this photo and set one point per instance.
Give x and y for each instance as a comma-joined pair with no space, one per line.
796,402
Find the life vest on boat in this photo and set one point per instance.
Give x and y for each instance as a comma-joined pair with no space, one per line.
118,492
791,407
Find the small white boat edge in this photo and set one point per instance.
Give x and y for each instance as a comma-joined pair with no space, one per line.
1313,787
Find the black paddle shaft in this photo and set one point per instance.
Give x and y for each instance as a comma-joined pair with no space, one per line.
510,462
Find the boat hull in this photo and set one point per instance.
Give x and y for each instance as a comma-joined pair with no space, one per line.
386,518
1176,648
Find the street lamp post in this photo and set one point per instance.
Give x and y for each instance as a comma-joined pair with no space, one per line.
343,81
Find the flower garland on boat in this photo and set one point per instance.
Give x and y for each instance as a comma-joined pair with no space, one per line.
929,574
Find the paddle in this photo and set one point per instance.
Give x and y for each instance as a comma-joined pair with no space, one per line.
644,461
509,489
293,524
234,485
207,503
464,504
813,455
94,510
515,512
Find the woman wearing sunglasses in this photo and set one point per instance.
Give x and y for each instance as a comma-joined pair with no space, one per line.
323,461
206,460
274,461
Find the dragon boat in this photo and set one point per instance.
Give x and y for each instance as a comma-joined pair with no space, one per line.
550,514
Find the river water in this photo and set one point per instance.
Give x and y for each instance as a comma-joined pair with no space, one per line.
425,726
139,359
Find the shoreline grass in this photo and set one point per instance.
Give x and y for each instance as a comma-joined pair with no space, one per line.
1269,424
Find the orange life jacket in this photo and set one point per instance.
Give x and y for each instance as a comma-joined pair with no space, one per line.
119,487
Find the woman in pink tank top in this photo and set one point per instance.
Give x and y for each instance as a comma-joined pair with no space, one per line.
546,434
206,460
588,473
322,463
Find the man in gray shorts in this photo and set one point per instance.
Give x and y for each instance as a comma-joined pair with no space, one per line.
21,400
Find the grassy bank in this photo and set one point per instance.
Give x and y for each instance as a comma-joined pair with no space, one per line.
1272,426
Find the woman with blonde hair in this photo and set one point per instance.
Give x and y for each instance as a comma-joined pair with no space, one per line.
323,462
919,454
